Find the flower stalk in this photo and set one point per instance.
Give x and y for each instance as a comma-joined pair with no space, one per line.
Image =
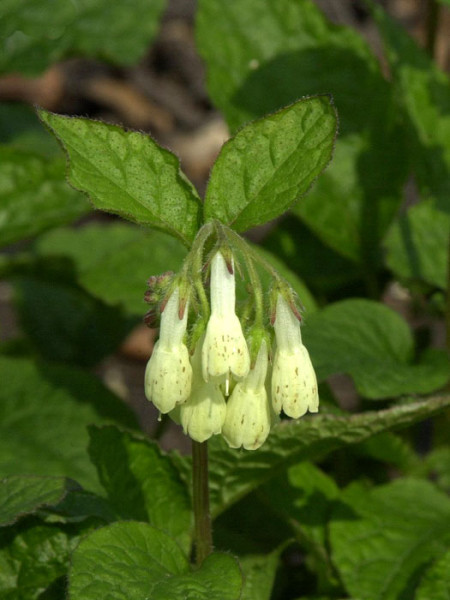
202,516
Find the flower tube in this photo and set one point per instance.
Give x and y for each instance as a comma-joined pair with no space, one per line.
248,418
294,383
203,414
224,349
168,375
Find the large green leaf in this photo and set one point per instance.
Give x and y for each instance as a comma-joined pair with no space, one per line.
141,482
259,575
417,245
374,345
34,195
21,495
114,262
127,173
33,556
423,91
131,561
436,581
382,539
271,163
235,473
44,412
264,54
37,33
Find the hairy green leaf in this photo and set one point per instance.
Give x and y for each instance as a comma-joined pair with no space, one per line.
382,539
417,245
259,575
44,411
235,473
435,583
114,262
141,482
423,91
271,163
37,33
127,173
374,345
34,196
131,561
33,556
21,495
261,56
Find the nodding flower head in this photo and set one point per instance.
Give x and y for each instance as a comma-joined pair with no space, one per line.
168,375
248,416
294,383
203,414
224,349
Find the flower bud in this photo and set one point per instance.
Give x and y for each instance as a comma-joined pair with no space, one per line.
248,417
168,375
294,383
224,349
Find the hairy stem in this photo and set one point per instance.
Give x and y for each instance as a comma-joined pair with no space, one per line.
202,516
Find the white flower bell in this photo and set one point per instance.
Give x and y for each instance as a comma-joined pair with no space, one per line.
224,349
248,418
168,375
294,383
204,412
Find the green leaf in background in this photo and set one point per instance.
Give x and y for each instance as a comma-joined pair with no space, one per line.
374,345
271,163
127,173
265,54
141,482
113,262
417,245
435,584
297,284
383,539
423,91
437,464
36,34
32,556
293,243
139,561
21,495
44,411
20,129
304,497
34,195
259,575
234,473
64,323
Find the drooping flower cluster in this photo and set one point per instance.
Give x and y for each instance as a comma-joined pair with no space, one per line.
224,384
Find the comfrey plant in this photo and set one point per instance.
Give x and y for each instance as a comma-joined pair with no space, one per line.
226,385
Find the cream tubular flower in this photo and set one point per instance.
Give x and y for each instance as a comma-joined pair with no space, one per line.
248,418
204,412
224,349
294,383
168,375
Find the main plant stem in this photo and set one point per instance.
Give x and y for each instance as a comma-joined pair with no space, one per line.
202,517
